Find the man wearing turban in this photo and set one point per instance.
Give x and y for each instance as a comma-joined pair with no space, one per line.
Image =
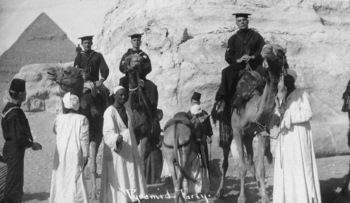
71,154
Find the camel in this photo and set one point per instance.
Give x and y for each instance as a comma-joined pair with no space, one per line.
144,120
179,149
252,119
92,105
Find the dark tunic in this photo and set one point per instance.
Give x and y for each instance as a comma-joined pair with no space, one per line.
242,42
92,63
145,63
17,135
207,131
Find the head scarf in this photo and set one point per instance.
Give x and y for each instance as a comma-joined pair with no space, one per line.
196,109
116,89
71,101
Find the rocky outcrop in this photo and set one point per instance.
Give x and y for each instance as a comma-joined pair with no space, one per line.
186,41
42,93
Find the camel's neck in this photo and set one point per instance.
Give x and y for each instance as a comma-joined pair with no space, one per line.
267,102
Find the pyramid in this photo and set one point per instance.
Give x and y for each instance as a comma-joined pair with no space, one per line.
43,41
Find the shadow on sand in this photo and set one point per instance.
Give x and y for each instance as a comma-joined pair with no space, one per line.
330,190
36,196
231,189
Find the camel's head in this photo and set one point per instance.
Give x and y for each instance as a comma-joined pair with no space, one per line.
274,58
133,62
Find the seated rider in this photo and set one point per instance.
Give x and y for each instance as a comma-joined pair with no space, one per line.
149,87
92,63
243,51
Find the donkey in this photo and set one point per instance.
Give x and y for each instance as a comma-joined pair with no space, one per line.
179,149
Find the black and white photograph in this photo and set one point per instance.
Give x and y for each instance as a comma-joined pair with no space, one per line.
181,101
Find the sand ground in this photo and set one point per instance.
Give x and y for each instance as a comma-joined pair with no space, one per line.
38,166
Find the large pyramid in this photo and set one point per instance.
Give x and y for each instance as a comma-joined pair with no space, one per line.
42,42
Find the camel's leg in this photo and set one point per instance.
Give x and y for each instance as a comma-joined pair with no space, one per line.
94,145
248,143
345,188
242,165
260,175
225,151
142,150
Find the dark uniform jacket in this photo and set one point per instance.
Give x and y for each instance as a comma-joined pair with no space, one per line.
92,63
242,42
16,130
145,63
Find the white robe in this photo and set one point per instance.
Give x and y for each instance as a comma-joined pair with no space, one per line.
122,178
295,174
72,141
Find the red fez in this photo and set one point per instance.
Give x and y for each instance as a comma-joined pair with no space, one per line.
18,85
196,96
244,15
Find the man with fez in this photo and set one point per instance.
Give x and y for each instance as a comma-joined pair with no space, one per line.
243,50
18,138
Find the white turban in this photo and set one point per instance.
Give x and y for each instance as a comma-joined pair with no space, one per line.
116,89
196,109
292,73
71,101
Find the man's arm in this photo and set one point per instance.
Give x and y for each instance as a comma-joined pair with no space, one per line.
103,68
261,42
77,61
230,52
122,65
147,66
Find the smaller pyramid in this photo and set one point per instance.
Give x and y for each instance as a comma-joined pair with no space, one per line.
43,41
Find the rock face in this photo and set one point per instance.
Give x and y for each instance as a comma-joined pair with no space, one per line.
42,93
42,42
186,41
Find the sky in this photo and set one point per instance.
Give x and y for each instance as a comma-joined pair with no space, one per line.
75,17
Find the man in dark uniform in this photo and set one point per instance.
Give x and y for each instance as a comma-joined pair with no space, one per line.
208,131
18,138
145,63
243,50
146,67
93,65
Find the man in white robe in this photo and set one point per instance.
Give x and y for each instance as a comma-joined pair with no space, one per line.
122,178
295,174
71,154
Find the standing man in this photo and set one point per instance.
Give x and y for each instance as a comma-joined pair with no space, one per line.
208,131
122,178
243,49
18,138
71,155
295,171
93,65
